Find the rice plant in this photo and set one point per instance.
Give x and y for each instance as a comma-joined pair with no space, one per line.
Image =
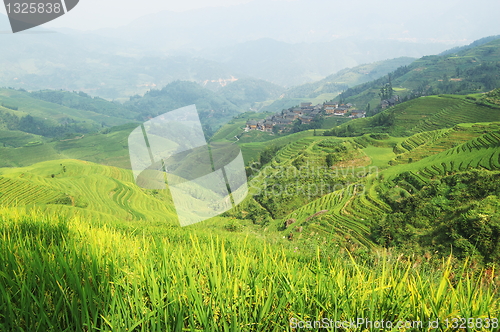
66,275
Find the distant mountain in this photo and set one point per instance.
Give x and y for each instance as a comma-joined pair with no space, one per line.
119,64
96,65
296,42
290,65
248,91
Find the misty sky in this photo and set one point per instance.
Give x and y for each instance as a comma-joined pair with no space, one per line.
95,14
450,22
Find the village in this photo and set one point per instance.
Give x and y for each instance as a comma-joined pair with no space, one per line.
306,113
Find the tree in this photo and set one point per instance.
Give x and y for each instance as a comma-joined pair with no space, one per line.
386,91
330,159
297,126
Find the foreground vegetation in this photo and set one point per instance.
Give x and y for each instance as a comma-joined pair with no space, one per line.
67,275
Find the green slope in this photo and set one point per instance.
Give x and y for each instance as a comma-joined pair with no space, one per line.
214,109
423,114
109,147
469,70
248,92
73,187
66,108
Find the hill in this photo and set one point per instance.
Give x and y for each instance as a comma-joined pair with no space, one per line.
57,113
247,93
79,188
213,109
107,147
349,77
47,116
423,114
84,102
343,187
469,70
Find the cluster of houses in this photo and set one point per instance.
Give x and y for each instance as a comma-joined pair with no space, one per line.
306,112
342,110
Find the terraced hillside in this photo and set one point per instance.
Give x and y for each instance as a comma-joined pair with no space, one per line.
337,188
307,194
73,187
425,144
312,179
423,114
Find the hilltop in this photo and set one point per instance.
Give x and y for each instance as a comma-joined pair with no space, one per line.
213,109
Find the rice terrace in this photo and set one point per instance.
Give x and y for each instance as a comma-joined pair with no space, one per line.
373,180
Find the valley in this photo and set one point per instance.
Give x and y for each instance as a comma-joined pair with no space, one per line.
356,207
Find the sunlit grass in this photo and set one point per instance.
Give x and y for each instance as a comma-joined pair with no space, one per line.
65,275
